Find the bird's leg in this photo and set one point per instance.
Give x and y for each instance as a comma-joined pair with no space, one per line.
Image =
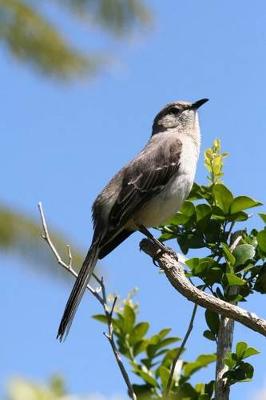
147,233
162,247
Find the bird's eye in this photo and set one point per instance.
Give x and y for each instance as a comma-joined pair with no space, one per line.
174,111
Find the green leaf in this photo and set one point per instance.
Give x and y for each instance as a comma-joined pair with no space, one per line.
188,208
138,332
223,197
213,161
167,236
228,254
164,332
153,349
192,263
139,347
251,351
218,214
143,392
186,215
234,280
241,203
261,237
263,217
167,341
238,217
164,376
179,219
129,317
214,275
241,347
199,192
186,392
202,267
147,377
243,253
243,372
209,335
194,240
213,321
100,318
248,369
260,285
119,322
201,362
170,355
230,361
203,211
243,351
214,231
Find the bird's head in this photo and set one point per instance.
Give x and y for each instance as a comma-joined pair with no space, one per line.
180,115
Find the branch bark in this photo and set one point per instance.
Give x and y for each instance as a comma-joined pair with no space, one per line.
224,342
224,345
174,272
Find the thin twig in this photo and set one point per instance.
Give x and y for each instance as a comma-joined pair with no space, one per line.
70,259
235,243
230,229
102,299
110,337
180,350
68,267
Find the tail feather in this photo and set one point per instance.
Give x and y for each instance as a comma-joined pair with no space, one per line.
78,291
113,242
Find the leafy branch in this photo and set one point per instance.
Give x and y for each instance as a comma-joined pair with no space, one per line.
232,268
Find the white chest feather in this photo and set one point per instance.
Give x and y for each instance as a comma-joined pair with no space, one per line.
160,209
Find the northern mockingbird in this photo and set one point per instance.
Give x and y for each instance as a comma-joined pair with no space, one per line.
147,192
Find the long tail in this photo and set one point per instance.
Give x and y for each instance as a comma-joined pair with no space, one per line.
78,291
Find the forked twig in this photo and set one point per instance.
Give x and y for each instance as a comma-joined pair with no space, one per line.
100,295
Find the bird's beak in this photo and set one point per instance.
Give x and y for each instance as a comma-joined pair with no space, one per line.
198,104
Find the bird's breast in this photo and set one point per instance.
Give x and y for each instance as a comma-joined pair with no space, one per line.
164,205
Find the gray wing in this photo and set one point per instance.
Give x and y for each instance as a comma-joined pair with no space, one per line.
143,178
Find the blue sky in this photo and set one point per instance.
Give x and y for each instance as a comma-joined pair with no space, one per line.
60,144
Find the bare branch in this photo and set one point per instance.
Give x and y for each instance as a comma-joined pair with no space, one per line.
110,337
69,256
173,269
101,298
224,343
68,267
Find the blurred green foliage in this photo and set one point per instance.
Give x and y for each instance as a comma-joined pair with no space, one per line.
20,235
29,35
22,389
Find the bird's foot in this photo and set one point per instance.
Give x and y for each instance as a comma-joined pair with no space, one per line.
161,247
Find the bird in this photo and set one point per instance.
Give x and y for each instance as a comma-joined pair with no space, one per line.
145,193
